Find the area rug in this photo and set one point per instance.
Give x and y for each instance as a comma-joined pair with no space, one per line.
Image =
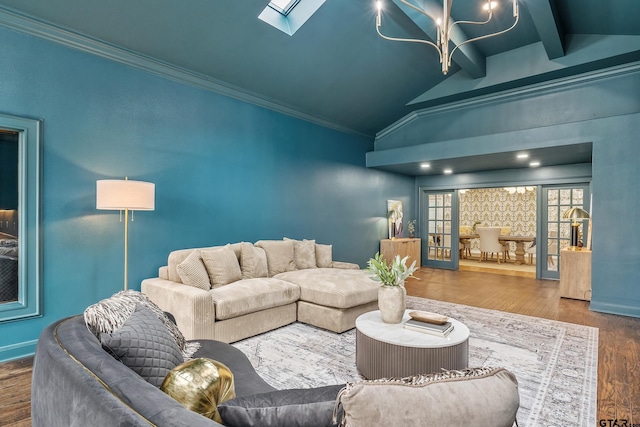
555,362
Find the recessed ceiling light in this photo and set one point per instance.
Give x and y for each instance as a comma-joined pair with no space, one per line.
534,164
425,165
448,171
523,156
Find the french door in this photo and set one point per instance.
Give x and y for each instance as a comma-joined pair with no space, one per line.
556,231
439,225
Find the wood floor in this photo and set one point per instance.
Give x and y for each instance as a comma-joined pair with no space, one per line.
15,393
618,352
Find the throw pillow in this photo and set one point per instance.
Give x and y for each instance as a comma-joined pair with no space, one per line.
200,385
192,271
480,396
304,253
280,255
222,265
110,314
253,261
301,407
144,345
324,256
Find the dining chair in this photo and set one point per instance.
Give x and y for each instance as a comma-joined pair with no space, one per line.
489,243
505,231
531,251
465,244
465,248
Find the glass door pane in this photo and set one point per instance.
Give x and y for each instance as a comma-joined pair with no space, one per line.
556,233
440,246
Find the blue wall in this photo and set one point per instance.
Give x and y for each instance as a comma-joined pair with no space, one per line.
602,108
224,170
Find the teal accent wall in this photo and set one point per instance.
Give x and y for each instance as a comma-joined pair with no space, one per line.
225,171
601,108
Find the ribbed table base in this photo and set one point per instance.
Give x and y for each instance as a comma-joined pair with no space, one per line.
377,359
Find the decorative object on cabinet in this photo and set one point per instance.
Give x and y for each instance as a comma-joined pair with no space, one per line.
575,274
403,247
394,216
411,226
576,215
125,195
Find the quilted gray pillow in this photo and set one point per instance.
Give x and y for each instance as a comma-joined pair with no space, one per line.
144,345
110,314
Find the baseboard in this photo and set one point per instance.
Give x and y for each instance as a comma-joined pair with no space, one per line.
17,351
611,308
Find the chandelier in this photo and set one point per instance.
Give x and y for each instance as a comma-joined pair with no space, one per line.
444,26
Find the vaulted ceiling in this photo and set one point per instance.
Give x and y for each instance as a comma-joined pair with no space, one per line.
335,69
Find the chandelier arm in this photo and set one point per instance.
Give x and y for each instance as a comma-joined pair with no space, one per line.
486,36
396,39
470,23
414,7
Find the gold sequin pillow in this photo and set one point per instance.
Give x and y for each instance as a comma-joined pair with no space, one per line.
200,385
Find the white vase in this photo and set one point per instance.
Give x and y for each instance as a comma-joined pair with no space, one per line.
392,303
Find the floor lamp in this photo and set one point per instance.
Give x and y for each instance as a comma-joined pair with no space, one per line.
125,195
575,215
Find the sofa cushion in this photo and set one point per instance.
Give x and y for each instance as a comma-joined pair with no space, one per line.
144,345
479,397
280,255
301,407
324,256
304,253
110,314
253,261
192,271
222,265
179,255
200,385
332,287
251,295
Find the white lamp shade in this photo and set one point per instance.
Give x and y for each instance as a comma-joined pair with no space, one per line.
118,194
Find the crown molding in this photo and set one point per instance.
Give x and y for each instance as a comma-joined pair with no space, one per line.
18,21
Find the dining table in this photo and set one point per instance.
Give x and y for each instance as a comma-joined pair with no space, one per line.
519,240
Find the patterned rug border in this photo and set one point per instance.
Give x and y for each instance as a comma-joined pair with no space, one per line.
555,362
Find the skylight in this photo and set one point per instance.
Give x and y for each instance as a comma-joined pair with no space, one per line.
283,6
289,15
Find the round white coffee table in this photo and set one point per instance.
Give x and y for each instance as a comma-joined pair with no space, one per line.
386,350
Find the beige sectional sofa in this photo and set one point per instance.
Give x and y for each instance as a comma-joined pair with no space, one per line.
232,292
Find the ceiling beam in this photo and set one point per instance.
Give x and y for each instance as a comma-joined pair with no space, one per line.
545,17
467,56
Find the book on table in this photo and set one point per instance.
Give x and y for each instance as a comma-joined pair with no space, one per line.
429,328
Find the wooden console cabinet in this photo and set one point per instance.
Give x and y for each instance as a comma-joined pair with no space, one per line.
575,274
389,248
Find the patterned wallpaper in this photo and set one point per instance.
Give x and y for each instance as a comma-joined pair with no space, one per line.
515,208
